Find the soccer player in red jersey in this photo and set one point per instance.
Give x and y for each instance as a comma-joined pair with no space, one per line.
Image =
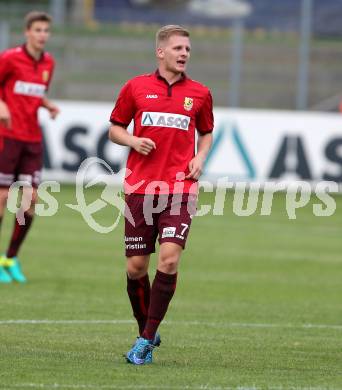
163,167
25,75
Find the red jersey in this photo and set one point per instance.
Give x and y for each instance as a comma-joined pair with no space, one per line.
23,83
169,115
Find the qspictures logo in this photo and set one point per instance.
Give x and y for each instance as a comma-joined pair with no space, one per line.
243,196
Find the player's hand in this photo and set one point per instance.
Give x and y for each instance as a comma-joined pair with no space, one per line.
143,145
195,168
5,115
53,110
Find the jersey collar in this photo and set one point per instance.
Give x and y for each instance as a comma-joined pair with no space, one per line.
30,56
160,77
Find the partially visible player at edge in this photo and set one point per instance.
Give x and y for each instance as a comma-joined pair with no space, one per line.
167,108
25,75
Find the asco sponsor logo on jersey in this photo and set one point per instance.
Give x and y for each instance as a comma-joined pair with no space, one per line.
29,89
164,119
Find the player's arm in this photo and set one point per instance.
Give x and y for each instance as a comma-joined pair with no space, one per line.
5,115
5,71
121,116
119,135
197,163
51,107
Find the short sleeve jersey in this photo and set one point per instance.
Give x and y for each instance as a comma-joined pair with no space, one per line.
169,115
23,84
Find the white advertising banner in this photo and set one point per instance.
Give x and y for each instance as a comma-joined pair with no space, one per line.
249,145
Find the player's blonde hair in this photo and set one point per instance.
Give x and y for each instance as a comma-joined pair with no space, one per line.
36,16
164,33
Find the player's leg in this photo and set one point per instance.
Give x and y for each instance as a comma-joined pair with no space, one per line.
163,286
9,155
3,202
22,225
29,172
174,224
23,221
4,276
138,288
140,243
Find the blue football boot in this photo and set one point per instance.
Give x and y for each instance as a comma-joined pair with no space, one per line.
4,276
138,353
156,343
12,266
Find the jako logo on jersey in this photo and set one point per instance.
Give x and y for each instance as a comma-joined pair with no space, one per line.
188,103
164,119
151,96
29,89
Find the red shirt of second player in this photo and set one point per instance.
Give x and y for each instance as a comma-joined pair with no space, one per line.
169,115
23,83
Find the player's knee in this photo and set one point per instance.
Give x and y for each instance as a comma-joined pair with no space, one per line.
29,200
136,267
32,197
3,198
136,273
168,262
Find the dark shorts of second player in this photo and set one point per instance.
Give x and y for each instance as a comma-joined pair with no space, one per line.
20,160
148,216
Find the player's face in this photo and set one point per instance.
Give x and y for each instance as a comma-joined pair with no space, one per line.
37,35
175,53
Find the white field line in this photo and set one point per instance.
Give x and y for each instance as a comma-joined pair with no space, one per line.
122,387
185,323
158,387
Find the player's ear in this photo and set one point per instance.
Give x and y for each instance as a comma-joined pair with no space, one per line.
160,53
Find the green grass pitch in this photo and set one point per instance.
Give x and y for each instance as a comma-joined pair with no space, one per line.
258,305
